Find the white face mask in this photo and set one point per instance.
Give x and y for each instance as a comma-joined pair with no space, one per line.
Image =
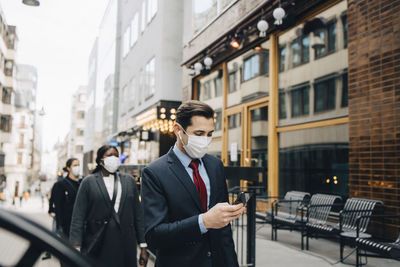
197,146
111,164
75,171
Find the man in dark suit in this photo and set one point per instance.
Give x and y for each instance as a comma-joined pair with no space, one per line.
185,199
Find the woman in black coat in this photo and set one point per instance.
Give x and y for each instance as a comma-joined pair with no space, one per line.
122,222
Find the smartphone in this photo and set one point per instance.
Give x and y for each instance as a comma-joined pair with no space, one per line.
242,198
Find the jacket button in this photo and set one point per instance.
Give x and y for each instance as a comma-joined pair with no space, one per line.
209,254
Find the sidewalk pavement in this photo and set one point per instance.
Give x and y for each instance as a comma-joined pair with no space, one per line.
284,252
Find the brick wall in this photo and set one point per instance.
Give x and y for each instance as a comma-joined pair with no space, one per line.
374,100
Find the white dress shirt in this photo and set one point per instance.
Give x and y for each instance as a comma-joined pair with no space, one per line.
109,182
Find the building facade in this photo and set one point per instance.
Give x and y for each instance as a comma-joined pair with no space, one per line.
149,77
313,100
8,47
77,130
23,151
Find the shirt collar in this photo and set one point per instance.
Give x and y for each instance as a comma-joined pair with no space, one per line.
183,158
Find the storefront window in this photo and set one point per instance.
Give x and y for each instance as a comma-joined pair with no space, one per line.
205,90
314,160
234,121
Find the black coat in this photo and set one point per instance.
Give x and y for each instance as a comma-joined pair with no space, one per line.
171,209
93,204
63,195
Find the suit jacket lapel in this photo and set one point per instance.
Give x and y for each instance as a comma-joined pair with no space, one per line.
124,191
103,189
104,193
211,172
182,175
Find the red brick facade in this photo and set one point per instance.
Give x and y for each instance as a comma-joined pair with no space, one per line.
374,100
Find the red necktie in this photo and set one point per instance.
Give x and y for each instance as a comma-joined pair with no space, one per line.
198,181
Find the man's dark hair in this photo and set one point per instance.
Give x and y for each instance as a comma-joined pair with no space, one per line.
192,108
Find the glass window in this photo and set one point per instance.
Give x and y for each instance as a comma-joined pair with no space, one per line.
265,63
344,22
205,90
300,101
151,9
234,121
19,159
296,56
218,120
150,78
233,82
125,48
134,29
331,37
205,11
6,95
328,36
259,114
143,22
312,160
282,58
282,105
305,49
251,67
345,93
324,95
218,86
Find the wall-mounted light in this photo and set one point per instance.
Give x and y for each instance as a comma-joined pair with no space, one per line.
208,62
198,67
278,14
235,43
262,26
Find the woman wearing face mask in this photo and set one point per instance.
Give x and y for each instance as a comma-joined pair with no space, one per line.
107,221
63,195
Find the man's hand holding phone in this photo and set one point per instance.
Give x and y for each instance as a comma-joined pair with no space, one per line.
221,215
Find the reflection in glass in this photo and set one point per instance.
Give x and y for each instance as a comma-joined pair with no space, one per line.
251,67
234,139
300,101
324,95
232,82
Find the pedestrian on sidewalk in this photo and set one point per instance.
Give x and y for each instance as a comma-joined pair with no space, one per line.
107,221
185,197
63,195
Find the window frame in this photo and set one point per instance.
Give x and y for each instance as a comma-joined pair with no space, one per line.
328,83
302,110
299,41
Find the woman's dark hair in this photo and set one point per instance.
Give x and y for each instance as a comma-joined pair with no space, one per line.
192,108
100,154
68,164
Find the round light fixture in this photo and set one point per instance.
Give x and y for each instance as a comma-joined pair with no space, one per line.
278,14
262,26
235,43
198,66
208,62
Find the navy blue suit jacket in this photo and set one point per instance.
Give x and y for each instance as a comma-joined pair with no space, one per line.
171,208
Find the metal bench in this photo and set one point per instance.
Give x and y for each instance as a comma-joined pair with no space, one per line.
346,229
377,248
317,213
284,213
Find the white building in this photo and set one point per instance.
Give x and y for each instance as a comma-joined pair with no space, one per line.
149,76
77,130
22,162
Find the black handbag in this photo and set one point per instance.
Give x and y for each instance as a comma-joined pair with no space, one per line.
97,240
